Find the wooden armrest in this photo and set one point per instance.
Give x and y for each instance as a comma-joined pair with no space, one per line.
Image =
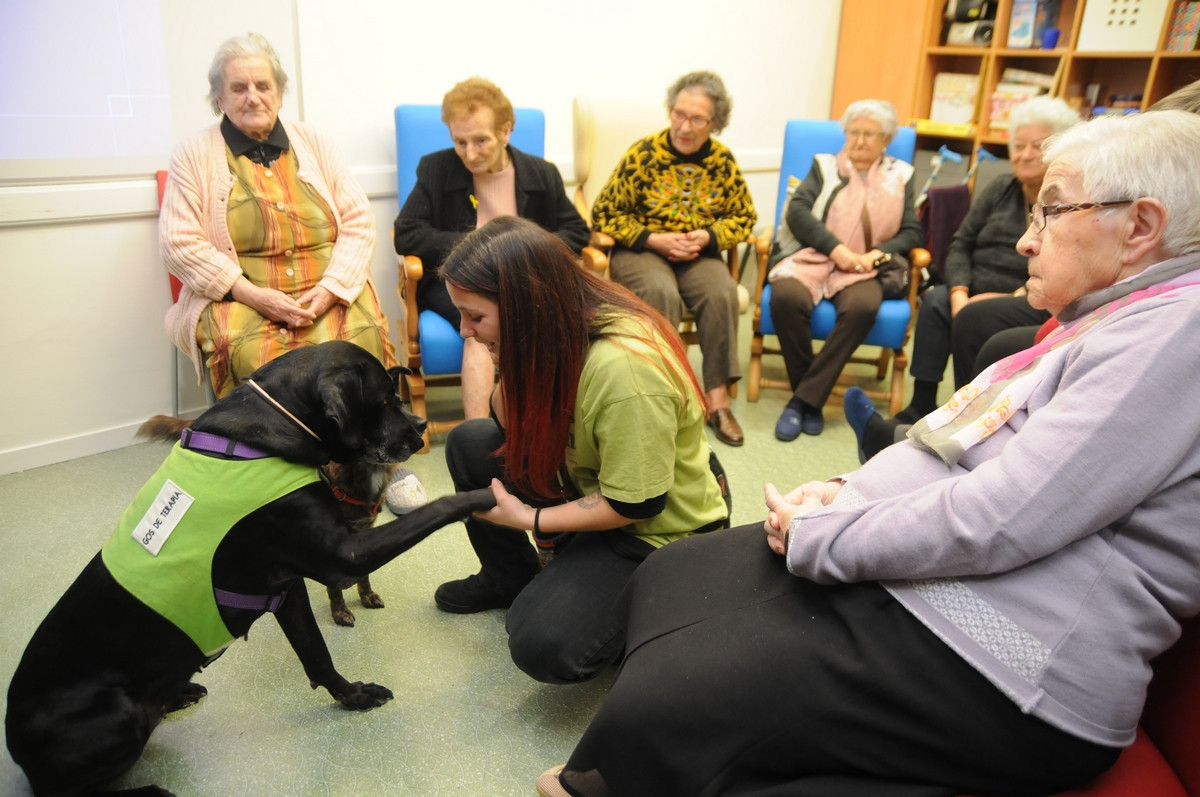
601,241
595,261
919,258
410,272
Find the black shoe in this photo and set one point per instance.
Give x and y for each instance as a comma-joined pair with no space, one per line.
469,595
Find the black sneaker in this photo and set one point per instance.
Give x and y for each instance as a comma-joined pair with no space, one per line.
469,595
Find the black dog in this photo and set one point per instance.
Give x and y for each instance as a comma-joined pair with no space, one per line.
104,667
358,485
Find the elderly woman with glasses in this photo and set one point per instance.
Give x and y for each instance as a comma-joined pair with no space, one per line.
984,291
975,609
853,211
674,202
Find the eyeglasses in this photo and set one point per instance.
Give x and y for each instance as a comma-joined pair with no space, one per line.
865,134
1040,212
697,122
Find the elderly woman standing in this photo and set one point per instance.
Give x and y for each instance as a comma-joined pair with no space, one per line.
267,230
985,274
460,189
853,209
975,609
673,203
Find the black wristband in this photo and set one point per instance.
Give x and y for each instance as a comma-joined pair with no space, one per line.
537,517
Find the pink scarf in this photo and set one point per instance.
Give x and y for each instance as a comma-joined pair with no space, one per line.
980,408
880,196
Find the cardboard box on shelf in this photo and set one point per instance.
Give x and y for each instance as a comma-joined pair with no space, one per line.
1121,25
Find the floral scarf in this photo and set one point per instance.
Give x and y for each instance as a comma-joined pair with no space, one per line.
978,409
879,196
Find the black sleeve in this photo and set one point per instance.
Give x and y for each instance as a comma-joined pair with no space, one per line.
646,509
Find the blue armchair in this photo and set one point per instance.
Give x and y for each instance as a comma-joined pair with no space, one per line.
802,140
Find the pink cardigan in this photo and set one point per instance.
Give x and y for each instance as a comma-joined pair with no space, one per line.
194,239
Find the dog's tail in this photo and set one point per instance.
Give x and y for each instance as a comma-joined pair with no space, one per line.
162,427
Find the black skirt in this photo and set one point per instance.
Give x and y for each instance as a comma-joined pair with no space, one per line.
740,678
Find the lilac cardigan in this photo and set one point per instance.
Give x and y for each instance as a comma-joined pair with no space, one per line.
194,240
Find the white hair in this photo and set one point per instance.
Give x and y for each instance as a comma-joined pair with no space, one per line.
252,44
1151,154
1043,111
881,111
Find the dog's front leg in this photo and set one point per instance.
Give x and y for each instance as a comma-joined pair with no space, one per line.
299,625
368,550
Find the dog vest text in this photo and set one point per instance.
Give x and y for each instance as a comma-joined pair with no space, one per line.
197,499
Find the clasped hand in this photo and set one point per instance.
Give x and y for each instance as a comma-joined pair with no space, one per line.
782,508
678,246
278,306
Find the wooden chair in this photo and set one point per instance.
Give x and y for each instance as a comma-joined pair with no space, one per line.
802,140
430,346
604,129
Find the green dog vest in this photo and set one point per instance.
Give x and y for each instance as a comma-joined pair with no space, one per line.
162,549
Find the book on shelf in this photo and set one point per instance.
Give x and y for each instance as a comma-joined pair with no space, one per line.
1185,25
1029,20
1014,75
955,98
1006,97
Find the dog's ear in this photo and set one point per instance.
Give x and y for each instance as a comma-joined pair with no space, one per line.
395,372
341,393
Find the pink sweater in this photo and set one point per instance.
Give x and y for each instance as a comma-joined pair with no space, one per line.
194,240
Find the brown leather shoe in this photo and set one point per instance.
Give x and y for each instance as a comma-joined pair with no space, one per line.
725,427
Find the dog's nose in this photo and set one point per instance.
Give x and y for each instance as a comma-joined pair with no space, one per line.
418,423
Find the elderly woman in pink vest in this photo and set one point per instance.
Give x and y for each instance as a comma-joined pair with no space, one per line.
848,229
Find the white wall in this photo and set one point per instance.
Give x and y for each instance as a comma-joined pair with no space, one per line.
82,349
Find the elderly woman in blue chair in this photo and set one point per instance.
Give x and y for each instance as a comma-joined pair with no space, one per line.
848,229
460,189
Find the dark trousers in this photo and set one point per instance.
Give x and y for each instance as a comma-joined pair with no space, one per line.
743,679
562,627
813,377
1004,344
977,322
705,287
931,336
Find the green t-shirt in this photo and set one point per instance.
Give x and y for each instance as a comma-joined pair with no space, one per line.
638,432
163,547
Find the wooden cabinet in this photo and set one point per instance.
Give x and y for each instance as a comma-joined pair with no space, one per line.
1152,74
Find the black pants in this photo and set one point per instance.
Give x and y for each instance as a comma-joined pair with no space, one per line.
978,322
743,679
562,627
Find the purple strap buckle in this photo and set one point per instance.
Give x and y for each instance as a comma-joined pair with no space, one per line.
215,444
253,603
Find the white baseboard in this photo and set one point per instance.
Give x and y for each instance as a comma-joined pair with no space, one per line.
52,452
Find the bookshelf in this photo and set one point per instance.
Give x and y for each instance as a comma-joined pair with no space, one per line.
1150,73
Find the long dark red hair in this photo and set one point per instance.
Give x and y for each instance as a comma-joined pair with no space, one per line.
551,310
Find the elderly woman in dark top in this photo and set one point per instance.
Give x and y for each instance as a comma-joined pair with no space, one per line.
853,208
267,230
464,187
985,274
